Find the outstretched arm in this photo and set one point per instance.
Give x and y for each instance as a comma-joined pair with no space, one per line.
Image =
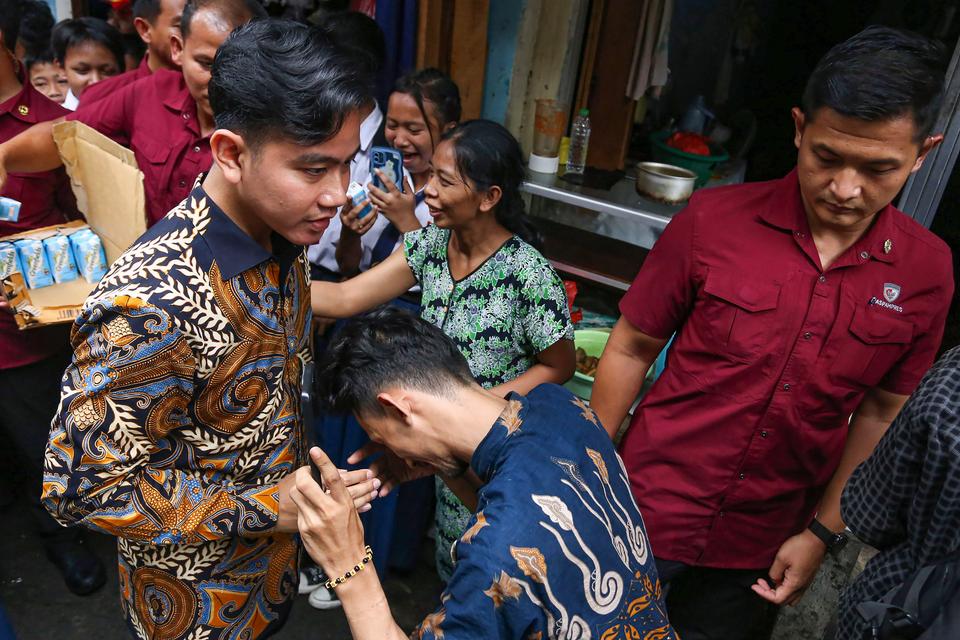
368,290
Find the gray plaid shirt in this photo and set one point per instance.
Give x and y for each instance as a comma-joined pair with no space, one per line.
905,499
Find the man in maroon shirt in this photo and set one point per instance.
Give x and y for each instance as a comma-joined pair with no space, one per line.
796,304
165,118
32,362
157,23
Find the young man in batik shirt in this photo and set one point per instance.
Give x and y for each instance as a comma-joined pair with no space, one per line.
179,425
556,548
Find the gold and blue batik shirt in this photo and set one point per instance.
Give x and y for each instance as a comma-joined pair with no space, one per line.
179,414
557,547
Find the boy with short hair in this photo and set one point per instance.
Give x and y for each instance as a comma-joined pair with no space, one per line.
89,50
46,75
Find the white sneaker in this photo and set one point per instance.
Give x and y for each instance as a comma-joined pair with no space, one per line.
324,598
311,579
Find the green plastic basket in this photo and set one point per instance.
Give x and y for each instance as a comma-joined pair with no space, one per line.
592,341
701,165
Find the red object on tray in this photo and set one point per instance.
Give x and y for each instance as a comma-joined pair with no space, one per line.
690,143
571,288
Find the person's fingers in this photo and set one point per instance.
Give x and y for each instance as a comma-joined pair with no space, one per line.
388,485
762,589
364,489
331,477
356,476
363,452
388,183
778,570
375,191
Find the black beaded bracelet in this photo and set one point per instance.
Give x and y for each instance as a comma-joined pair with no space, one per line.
357,568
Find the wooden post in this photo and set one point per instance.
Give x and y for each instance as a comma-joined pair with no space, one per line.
468,53
452,36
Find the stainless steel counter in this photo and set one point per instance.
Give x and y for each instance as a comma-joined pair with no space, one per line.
618,213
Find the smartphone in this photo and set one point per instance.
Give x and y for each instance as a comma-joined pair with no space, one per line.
390,161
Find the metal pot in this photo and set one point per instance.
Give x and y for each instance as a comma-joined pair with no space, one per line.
665,182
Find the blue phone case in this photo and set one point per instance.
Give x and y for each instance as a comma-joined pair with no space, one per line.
390,162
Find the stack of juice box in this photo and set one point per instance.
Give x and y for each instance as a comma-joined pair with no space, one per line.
55,258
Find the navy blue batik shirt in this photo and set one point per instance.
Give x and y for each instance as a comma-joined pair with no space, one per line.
557,547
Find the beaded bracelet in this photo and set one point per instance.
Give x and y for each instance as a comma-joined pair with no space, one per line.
357,568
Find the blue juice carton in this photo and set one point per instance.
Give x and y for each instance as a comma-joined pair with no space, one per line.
33,263
60,257
89,254
9,209
358,194
9,264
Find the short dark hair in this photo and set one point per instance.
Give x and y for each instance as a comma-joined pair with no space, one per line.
285,79
36,22
880,74
147,9
384,348
74,32
234,12
40,56
10,13
488,155
438,88
360,34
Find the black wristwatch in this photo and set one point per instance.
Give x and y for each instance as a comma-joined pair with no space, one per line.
834,541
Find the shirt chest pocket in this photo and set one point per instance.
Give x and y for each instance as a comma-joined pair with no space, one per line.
738,314
153,158
872,345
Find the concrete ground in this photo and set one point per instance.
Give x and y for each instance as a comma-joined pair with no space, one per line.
41,608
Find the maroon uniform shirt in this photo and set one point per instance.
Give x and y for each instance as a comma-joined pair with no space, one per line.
156,117
105,87
729,452
45,199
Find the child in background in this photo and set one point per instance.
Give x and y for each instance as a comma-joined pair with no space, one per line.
89,50
46,76
424,105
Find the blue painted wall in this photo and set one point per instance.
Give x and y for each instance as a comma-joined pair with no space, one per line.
503,27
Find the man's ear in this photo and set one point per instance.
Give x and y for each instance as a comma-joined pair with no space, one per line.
176,48
143,30
799,121
397,405
229,152
928,145
490,198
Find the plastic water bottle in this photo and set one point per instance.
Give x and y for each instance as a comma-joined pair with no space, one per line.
579,140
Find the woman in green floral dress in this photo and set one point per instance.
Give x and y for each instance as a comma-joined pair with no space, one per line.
483,284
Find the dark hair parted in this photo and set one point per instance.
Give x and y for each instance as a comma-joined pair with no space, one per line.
279,78
384,348
361,35
488,155
233,12
10,13
76,31
880,74
36,22
436,87
147,9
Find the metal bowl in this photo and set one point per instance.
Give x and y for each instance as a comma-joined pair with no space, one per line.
665,182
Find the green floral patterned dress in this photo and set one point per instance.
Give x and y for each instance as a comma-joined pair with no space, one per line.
512,307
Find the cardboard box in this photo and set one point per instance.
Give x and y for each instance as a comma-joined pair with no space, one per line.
108,186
